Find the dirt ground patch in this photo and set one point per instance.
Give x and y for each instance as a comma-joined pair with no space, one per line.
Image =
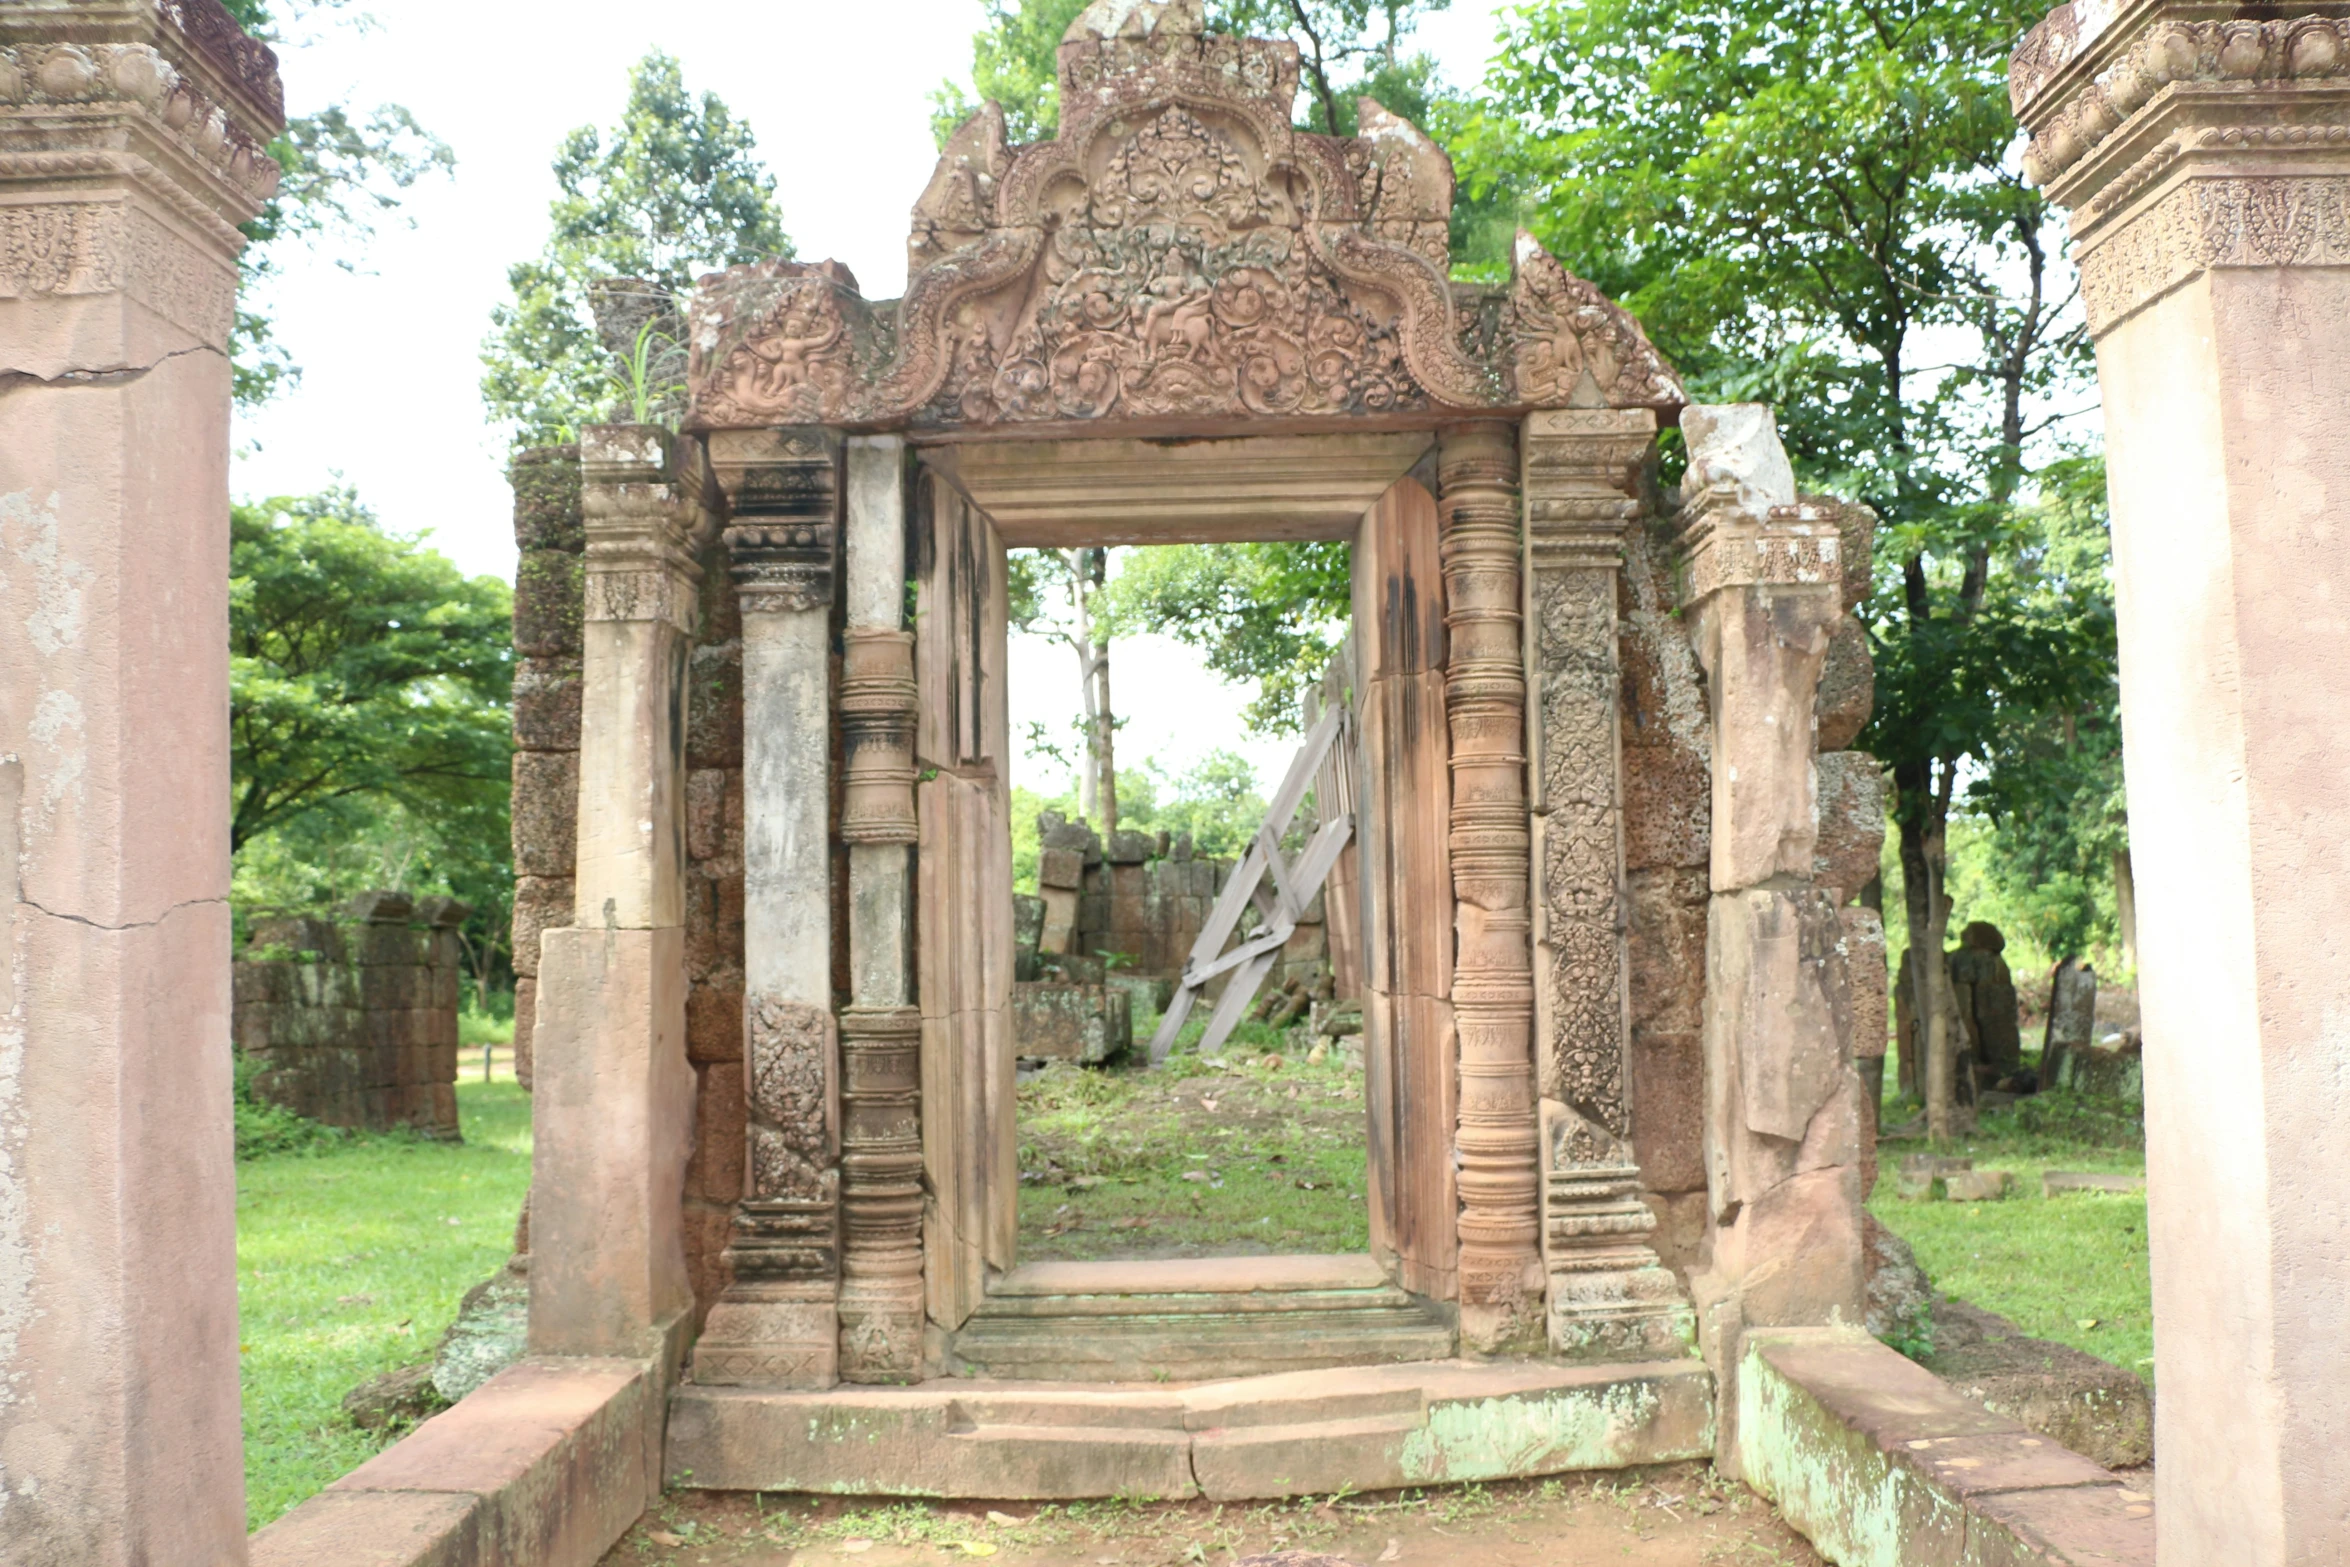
1262,1151
1678,1515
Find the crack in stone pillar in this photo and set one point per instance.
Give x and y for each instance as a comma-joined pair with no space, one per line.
1607,1295
1501,1279
777,1324
881,1031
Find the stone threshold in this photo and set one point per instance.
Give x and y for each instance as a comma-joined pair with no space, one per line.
1880,1463
1300,1433
1194,1319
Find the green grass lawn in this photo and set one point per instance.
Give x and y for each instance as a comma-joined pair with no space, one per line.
350,1262
2069,1268
1198,1159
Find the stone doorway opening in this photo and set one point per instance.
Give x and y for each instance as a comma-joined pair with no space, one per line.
1150,1267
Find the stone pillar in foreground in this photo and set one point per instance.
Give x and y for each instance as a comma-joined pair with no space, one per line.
777,1324
1782,1103
2207,167
1501,1277
612,1092
132,141
881,1029
1608,1298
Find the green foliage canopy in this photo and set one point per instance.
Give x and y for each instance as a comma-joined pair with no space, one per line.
675,189
1268,613
362,666
1816,204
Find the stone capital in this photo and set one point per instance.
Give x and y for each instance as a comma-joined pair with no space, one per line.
134,138
639,518
783,493
1728,543
2185,139
1582,478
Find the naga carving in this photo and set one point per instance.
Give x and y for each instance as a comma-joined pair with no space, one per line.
1178,253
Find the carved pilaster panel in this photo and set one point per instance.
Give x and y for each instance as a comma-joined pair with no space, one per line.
2207,222
1492,992
782,537
640,557
881,1195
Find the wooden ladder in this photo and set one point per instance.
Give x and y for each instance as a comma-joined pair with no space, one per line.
1278,905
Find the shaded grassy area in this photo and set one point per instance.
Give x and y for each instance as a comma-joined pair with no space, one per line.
2069,1268
1261,1151
351,1259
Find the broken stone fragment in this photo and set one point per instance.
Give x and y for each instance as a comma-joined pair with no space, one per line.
1737,444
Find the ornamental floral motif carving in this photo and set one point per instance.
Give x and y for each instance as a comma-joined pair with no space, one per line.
1179,253
790,1049
2243,221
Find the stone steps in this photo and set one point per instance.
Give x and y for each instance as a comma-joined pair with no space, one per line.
1188,1320
1302,1433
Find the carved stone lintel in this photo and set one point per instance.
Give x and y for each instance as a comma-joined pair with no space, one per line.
1728,544
881,1195
1493,994
877,697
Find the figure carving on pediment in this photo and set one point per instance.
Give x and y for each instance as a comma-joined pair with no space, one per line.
794,364
1573,347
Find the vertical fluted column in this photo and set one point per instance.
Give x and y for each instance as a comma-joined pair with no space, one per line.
777,1324
881,1029
1606,1295
1501,1284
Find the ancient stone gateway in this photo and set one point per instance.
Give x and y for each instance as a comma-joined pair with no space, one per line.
1613,1121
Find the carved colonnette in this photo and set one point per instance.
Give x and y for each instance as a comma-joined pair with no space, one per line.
1607,1297
881,1030
777,1324
1492,987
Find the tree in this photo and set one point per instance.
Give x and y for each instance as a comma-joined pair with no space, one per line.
1816,204
1058,594
1267,613
363,668
675,189
1347,49
344,175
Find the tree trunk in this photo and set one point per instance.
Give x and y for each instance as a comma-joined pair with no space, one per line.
2125,908
1941,1049
1917,905
1105,746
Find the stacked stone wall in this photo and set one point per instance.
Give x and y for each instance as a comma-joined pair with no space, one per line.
714,928
351,1018
550,589
1668,845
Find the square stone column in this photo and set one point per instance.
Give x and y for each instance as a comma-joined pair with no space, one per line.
1782,1103
778,1323
2207,167
1607,1297
132,141
881,1029
612,1092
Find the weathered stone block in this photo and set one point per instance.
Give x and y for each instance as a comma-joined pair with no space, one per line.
1128,848
547,509
715,1172
546,812
1867,978
1668,1110
550,602
714,706
1848,687
714,1019
1057,1021
1667,948
1668,808
1060,921
1852,824
1060,869
546,704
714,817
540,903
713,923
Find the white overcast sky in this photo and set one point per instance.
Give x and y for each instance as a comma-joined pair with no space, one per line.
838,95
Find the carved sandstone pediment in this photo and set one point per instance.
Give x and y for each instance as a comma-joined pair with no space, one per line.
1178,255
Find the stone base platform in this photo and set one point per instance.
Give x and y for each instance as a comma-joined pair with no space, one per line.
1194,1320
1362,1428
